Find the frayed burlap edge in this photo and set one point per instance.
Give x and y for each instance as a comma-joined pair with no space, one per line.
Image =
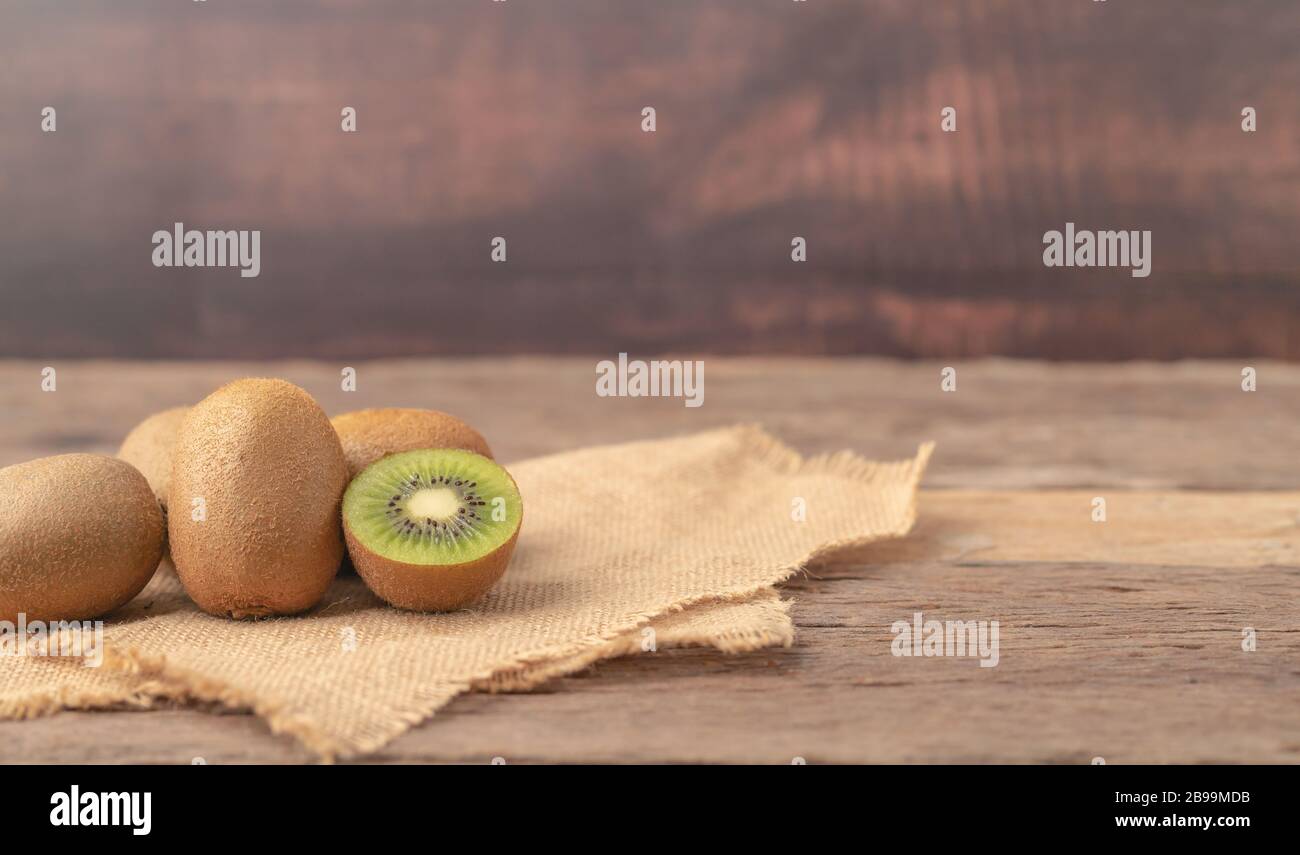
522,677
531,669
144,695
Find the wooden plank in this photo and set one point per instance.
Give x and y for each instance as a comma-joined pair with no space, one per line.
1008,425
1120,640
1130,663
1097,661
1221,530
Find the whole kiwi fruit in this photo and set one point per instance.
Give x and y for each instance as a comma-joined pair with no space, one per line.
80,535
148,447
432,529
369,435
257,479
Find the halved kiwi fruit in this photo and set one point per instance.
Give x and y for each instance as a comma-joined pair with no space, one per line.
432,529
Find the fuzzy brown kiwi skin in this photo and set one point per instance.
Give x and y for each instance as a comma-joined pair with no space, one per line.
80,535
369,435
148,447
426,587
263,456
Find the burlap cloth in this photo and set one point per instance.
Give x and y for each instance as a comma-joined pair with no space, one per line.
624,548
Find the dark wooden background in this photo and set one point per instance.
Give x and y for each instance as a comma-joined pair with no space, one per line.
776,119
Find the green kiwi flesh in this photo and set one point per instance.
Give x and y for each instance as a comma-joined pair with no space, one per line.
432,529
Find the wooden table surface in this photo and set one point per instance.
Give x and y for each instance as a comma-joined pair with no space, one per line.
1120,640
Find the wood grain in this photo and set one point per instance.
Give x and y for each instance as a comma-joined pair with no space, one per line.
776,119
1119,640
1136,664
1009,424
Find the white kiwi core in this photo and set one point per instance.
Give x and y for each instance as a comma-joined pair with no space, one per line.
439,503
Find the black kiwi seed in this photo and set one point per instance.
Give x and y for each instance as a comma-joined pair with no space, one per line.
462,525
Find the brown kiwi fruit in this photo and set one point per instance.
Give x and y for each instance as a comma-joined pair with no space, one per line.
267,466
368,435
148,447
80,535
432,529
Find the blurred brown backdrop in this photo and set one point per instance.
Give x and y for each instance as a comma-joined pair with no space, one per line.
775,119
